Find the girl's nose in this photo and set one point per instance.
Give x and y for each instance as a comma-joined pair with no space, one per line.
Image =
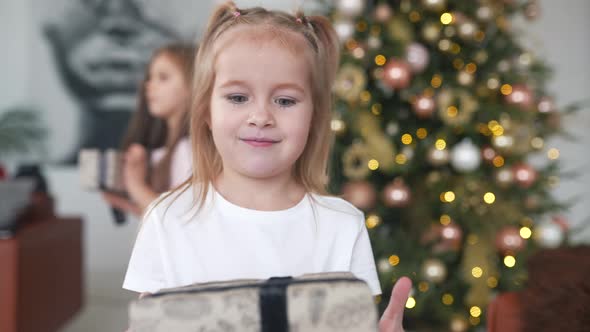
261,117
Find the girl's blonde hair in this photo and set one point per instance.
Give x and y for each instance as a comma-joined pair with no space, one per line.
311,169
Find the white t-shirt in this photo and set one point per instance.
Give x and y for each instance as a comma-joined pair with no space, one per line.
225,241
180,164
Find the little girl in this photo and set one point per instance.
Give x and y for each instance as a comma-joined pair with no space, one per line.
256,205
158,131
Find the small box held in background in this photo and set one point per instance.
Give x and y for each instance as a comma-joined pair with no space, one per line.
101,170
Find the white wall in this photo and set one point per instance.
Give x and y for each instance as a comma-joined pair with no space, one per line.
561,36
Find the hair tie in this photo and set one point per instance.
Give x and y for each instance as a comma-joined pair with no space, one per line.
298,19
236,14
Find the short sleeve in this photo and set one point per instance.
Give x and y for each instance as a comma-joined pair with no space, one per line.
182,163
362,264
145,272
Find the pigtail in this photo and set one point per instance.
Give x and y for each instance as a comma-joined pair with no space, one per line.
221,13
329,43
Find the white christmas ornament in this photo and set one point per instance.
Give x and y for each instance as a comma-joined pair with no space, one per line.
350,7
344,30
548,235
465,156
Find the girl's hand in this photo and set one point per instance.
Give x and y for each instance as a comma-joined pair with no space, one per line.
135,167
121,203
392,318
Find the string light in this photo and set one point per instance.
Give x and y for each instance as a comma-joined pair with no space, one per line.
537,143
436,81
452,111
394,260
475,311
423,286
376,109
421,133
407,139
380,60
553,154
449,196
525,232
477,272
411,302
365,96
445,219
506,89
498,161
471,68
489,198
492,282
373,221
446,18
447,299
373,164
509,261
401,159
440,144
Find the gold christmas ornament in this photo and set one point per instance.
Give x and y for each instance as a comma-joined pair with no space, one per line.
400,30
378,145
522,135
350,81
355,160
480,254
456,107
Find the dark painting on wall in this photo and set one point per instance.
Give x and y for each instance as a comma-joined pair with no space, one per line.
99,50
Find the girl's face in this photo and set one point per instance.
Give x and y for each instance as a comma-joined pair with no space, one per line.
166,89
261,106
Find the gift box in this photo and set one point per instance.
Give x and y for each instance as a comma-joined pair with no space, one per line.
314,302
101,170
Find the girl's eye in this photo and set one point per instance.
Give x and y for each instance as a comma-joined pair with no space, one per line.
237,99
285,102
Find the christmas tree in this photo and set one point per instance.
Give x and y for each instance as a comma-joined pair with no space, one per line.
438,109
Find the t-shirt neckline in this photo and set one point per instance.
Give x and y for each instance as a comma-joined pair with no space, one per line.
229,208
